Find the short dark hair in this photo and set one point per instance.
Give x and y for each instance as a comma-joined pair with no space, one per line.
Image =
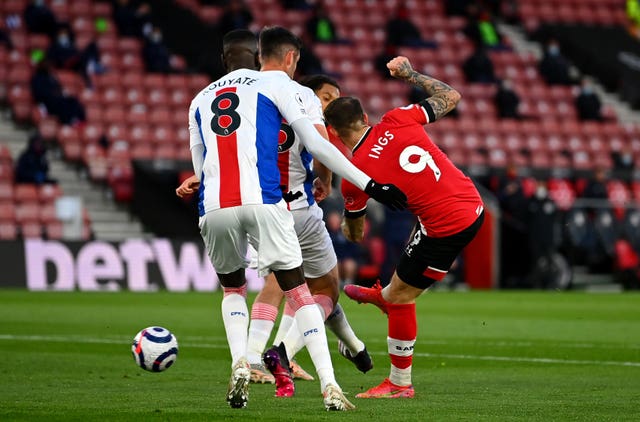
275,40
315,82
238,36
343,113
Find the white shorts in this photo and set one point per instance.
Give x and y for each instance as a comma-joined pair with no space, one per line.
318,256
268,228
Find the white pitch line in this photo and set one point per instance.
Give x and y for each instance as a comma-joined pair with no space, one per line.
223,345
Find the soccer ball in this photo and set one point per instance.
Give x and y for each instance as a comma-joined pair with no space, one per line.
155,349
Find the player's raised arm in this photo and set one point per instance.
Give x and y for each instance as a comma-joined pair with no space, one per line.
442,98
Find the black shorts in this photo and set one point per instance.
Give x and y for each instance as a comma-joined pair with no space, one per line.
426,259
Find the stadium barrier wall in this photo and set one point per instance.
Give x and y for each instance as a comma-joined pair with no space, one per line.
482,256
134,265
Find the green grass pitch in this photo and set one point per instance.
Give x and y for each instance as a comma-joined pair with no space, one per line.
480,356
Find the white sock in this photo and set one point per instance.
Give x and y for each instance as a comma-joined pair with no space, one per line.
235,316
285,324
259,332
309,321
338,324
293,341
401,377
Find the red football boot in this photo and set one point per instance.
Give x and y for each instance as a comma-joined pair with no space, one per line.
388,390
367,295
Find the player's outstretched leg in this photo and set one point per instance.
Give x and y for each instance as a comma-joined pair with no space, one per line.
276,361
238,392
367,295
401,339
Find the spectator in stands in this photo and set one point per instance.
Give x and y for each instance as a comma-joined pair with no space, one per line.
309,63
32,165
155,54
46,90
506,100
5,39
510,193
623,163
320,27
380,61
235,16
295,5
39,19
514,260
554,67
587,102
348,253
478,67
124,16
457,7
144,25
542,220
62,52
596,188
130,20
481,28
402,32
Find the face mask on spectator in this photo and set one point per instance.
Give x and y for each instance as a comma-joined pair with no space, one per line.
63,39
541,192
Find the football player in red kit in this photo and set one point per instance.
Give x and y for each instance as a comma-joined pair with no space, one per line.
445,201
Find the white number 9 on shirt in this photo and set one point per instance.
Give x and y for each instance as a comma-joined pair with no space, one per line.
414,159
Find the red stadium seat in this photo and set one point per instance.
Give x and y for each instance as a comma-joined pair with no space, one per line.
8,230
92,133
48,213
158,97
25,192
30,229
142,151
48,128
49,192
582,160
27,211
140,133
540,159
7,211
619,193
166,151
54,230
562,193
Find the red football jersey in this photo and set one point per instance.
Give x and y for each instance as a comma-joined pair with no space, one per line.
398,150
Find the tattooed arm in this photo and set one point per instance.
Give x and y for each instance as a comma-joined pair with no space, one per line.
442,98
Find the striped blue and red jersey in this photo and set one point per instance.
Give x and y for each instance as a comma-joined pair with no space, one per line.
237,118
294,161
